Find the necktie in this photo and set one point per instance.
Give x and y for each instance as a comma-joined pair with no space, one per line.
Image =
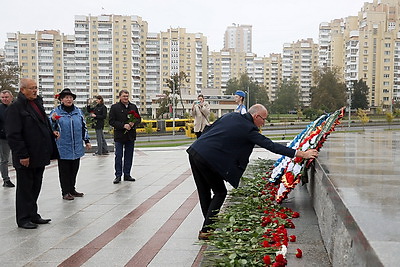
36,108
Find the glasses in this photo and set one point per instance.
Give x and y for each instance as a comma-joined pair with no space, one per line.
31,88
262,117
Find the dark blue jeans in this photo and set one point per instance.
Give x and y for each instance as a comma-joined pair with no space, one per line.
125,151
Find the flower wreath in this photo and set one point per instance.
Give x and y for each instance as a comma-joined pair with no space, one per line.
290,170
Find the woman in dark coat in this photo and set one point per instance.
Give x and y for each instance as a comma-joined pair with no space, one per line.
99,114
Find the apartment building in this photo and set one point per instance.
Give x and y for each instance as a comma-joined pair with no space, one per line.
152,89
225,65
367,47
238,38
187,52
300,60
110,52
41,56
272,74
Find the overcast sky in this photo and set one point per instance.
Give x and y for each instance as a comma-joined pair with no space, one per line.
274,22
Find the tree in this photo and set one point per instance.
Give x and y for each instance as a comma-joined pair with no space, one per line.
389,118
176,81
287,97
164,105
362,115
212,117
256,92
359,95
329,94
9,76
148,128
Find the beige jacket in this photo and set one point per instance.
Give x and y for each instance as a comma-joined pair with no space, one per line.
200,114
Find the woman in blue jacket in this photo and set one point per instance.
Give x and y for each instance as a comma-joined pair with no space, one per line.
69,126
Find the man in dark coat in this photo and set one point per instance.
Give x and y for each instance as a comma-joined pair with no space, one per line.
33,146
222,153
124,135
6,100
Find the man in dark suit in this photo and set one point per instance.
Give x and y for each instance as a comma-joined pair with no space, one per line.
222,153
33,145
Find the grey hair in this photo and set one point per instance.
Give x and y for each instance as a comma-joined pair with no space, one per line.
256,109
24,82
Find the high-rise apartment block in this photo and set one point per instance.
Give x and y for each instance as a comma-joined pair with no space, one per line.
44,56
187,52
299,61
225,65
238,38
367,47
110,55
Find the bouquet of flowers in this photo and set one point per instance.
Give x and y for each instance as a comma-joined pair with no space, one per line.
134,117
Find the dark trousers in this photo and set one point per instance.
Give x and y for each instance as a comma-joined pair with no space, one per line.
125,151
101,142
67,172
29,183
207,180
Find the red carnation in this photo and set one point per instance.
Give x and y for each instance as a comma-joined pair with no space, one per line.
292,238
266,244
296,214
267,260
135,114
299,253
298,160
280,261
57,117
289,177
56,96
133,117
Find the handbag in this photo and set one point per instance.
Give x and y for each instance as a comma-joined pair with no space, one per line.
208,123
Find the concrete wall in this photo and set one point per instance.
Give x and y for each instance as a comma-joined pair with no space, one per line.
344,241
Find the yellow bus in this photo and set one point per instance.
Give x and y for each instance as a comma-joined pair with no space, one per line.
179,125
141,127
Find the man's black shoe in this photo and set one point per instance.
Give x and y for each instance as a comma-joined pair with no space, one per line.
28,225
8,184
117,180
41,221
129,178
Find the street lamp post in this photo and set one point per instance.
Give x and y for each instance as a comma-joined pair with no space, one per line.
173,107
349,102
248,97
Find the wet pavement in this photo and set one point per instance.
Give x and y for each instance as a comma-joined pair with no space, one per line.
364,169
155,220
151,222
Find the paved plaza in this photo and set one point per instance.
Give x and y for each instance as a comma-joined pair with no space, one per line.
155,220
151,222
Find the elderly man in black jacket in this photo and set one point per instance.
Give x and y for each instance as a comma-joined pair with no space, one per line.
121,115
222,153
33,146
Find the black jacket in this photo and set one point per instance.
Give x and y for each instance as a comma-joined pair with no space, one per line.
101,114
226,146
3,109
118,118
29,135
